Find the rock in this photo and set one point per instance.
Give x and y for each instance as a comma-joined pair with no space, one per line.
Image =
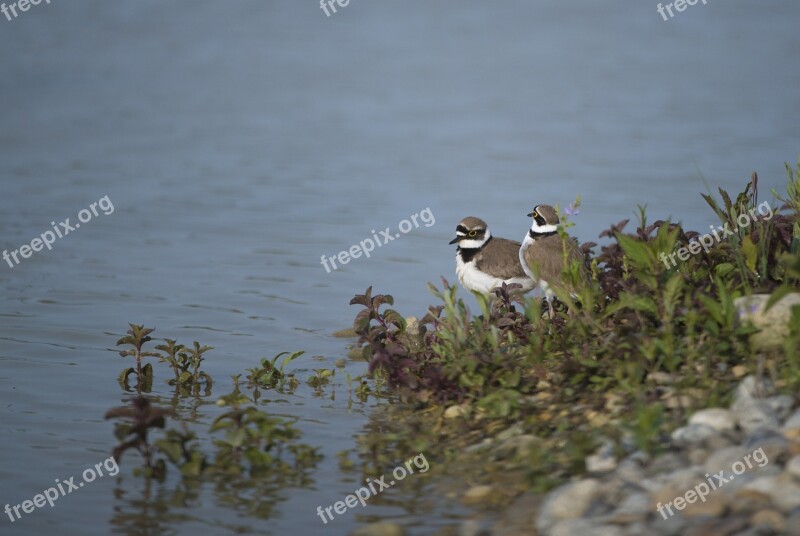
519,517
698,455
786,494
740,501
793,524
603,460
569,501
668,462
470,527
715,504
673,401
477,494
671,526
723,459
752,414
512,431
635,529
584,527
634,508
516,446
752,387
683,494
751,407
774,324
692,434
782,490
630,470
793,422
718,527
739,371
768,446
793,466
454,412
662,378
721,420
782,405
768,518
379,529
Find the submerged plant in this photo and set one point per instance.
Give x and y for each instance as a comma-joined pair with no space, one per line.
271,375
175,355
137,336
256,442
133,433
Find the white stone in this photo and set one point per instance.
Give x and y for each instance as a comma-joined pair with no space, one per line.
692,434
774,324
719,419
569,501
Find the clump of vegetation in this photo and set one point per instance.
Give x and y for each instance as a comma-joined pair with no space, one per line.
259,452
643,343
136,338
185,362
256,442
133,432
271,375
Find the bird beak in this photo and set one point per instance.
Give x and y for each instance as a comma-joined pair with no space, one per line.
456,239
530,215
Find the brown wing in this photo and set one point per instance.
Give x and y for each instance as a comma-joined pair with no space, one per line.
500,256
546,257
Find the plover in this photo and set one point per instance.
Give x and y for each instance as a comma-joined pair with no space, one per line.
541,254
484,262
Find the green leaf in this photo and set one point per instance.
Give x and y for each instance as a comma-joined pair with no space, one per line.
714,309
777,295
750,252
237,437
123,376
636,250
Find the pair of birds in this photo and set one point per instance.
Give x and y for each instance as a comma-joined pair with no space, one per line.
484,262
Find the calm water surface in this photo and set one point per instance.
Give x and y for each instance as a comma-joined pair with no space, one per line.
240,141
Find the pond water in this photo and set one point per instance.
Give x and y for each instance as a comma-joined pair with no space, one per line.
238,142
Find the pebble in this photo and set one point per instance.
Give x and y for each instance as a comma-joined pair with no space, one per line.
477,494
793,422
453,412
620,499
793,524
752,414
692,434
379,529
717,527
793,466
470,527
720,419
774,324
781,405
752,387
768,518
569,501
584,527
723,459
634,508
767,444
603,460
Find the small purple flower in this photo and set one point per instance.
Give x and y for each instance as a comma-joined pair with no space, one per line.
571,210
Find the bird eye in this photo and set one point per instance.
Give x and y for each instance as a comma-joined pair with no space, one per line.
535,214
473,233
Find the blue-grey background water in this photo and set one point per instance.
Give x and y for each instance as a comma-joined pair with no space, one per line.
240,141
